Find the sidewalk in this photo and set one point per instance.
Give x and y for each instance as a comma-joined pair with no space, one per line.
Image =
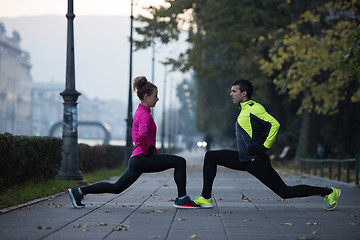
245,209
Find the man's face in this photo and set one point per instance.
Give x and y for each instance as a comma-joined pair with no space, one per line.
236,95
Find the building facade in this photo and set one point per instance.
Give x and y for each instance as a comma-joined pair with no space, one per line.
47,112
32,108
46,107
15,85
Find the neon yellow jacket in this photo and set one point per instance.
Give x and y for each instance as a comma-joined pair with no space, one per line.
254,126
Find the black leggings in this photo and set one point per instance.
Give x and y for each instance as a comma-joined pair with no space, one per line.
144,164
260,168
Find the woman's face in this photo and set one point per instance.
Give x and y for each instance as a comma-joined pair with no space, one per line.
151,100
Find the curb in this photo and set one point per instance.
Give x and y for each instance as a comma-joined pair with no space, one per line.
29,203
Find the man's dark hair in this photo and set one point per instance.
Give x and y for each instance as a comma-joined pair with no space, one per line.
244,85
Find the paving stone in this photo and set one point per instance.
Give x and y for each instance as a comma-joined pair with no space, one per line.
244,209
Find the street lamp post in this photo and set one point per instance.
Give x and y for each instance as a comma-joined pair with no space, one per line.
129,120
70,155
163,115
170,118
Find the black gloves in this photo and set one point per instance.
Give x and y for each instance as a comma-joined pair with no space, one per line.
257,149
150,151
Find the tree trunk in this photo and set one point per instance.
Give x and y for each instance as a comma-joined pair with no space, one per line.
309,134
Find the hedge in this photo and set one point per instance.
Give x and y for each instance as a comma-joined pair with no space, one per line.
92,158
34,159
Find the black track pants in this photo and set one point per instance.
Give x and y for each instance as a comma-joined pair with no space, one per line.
144,164
260,168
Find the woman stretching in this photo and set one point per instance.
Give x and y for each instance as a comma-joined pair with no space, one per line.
144,158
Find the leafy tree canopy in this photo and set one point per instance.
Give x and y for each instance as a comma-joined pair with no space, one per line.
319,64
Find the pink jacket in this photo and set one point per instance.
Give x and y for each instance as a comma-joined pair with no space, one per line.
143,131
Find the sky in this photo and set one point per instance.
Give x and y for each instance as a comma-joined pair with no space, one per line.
101,44
20,8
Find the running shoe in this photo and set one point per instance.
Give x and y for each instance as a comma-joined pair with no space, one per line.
205,203
76,197
331,200
185,203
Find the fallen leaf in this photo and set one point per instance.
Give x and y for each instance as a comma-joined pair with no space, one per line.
352,223
40,227
107,211
305,175
195,236
77,226
160,210
287,224
102,224
248,220
121,227
314,223
246,199
118,228
216,215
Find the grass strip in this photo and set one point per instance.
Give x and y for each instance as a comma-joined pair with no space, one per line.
30,191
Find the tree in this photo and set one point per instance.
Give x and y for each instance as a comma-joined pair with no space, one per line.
305,65
232,39
226,44
350,63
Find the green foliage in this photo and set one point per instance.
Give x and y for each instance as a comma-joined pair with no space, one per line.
92,158
35,159
159,26
304,62
350,63
29,191
227,42
25,159
104,173
306,50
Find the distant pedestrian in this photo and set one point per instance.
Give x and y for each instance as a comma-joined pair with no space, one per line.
144,158
256,131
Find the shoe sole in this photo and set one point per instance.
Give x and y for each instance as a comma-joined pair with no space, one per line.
183,206
72,198
333,208
207,206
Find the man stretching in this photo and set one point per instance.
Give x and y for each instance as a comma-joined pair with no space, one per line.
256,131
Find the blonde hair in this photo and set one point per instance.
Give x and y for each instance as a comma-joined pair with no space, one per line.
142,86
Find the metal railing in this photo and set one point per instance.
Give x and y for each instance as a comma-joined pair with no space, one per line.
350,165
